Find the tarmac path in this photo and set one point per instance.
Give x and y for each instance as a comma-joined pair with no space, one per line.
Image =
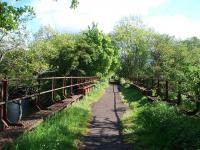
104,128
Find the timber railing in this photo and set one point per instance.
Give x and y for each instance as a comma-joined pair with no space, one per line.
18,90
157,88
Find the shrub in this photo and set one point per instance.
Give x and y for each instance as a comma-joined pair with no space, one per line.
158,125
122,81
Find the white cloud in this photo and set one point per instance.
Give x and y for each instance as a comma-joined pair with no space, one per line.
107,12
104,12
177,25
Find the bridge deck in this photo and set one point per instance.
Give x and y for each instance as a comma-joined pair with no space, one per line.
30,122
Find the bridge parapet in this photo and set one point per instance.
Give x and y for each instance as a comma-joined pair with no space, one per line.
18,90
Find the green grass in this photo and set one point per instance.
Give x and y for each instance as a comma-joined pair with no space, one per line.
157,126
62,131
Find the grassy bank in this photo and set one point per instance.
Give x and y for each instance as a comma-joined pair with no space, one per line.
157,126
62,131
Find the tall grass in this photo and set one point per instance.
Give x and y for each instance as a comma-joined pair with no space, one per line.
157,126
62,131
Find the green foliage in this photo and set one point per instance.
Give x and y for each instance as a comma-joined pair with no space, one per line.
147,54
122,81
132,38
58,98
74,4
65,59
11,17
98,56
90,53
157,125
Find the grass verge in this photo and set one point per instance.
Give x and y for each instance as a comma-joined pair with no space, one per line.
62,131
157,126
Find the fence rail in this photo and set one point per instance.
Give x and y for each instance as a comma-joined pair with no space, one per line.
162,88
55,84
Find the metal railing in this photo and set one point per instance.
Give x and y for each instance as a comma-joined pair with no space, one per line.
163,88
65,84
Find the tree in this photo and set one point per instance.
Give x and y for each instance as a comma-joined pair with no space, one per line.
88,53
12,30
12,40
160,51
98,56
11,17
66,59
74,4
132,38
45,33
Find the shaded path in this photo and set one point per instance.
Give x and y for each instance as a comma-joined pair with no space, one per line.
104,128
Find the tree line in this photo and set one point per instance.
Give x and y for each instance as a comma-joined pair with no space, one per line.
132,49
146,54
90,53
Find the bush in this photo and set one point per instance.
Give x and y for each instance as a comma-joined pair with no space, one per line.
163,127
122,81
159,126
57,97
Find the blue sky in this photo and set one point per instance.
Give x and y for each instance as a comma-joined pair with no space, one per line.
180,18
189,8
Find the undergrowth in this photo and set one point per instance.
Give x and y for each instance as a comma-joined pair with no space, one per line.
157,125
62,131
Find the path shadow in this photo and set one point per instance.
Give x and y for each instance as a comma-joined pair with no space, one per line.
118,110
103,139
106,133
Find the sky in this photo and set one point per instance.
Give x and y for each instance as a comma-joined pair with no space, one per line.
179,18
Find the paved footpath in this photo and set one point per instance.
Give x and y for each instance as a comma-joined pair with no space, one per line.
104,129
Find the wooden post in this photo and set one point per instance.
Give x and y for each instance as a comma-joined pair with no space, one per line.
52,87
158,87
152,83
71,87
4,119
1,111
4,98
79,86
38,96
1,108
64,89
179,94
147,80
78,80
166,90
196,110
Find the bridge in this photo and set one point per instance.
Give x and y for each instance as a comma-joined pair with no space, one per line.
17,91
104,130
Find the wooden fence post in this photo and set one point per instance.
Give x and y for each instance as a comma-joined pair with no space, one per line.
38,96
166,90
179,94
64,89
158,87
71,87
2,108
152,83
4,98
52,87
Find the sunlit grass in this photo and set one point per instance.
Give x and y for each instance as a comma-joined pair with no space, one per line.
62,131
157,125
